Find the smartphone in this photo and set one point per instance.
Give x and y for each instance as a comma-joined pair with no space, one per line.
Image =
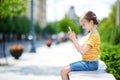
70,28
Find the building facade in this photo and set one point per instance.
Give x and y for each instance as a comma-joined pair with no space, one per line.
39,12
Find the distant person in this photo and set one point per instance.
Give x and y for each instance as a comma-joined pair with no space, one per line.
89,50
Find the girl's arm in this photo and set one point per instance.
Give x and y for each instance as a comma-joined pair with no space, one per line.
80,48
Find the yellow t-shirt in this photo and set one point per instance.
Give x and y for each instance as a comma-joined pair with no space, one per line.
94,41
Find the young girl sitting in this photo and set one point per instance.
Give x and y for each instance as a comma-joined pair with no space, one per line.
89,50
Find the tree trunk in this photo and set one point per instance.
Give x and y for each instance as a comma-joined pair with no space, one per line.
118,13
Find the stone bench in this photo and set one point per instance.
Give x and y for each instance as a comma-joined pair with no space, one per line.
99,74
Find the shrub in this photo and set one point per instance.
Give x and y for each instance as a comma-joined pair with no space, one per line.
111,56
110,35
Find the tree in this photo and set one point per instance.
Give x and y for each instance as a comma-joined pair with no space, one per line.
111,20
49,29
37,28
108,30
65,23
12,7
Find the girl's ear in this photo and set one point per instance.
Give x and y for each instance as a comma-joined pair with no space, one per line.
91,21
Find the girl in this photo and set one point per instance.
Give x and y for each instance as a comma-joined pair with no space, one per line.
89,49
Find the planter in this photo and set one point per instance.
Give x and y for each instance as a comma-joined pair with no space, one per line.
16,50
16,54
48,43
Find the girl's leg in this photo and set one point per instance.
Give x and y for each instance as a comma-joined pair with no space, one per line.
78,66
64,72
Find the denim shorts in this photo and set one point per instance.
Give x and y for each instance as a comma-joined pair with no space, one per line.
84,66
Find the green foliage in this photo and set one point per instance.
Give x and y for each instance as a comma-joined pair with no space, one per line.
110,35
108,30
12,7
24,24
7,25
111,56
112,17
21,25
18,25
37,28
110,48
49,29
104,24
65,23
110,21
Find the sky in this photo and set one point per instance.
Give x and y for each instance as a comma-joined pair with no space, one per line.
56,9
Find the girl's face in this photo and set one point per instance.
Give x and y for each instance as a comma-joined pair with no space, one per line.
86,25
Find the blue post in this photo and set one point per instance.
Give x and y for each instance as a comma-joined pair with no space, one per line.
32,33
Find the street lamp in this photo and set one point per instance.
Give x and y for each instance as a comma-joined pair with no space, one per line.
32,33
55,24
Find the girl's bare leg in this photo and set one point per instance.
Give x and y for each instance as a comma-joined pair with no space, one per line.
64,73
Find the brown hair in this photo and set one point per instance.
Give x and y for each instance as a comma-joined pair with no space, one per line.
90,16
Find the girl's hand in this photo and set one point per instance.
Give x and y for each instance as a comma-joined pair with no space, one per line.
72,36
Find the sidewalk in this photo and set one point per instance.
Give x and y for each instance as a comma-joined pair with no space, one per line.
47,63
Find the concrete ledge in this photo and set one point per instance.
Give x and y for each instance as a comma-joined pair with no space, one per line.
100,74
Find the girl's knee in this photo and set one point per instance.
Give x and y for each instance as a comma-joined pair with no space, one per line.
65,70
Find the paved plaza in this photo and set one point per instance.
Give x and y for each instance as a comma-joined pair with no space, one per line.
46,64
